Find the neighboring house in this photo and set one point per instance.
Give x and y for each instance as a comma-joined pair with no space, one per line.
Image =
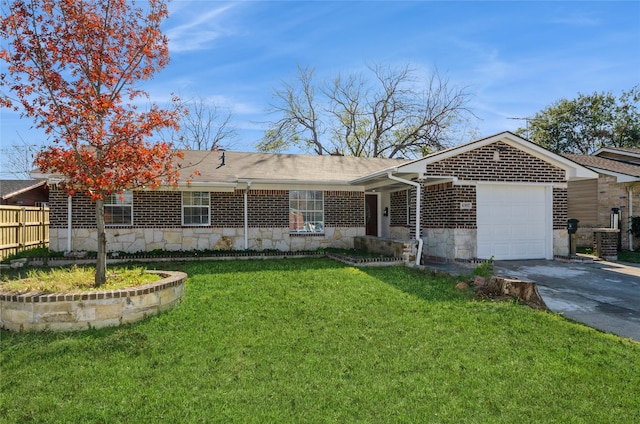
24,192
617,186
502,197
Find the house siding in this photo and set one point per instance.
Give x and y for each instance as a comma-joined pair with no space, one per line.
398,209
157,223
441,206
514,166
450,232
596,199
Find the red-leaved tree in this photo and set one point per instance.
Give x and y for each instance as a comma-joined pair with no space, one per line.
72,67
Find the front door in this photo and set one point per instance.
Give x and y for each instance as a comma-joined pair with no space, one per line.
371,214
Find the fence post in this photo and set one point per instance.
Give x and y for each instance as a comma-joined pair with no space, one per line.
23,223
41,229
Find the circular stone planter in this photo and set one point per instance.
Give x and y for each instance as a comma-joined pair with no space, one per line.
96,309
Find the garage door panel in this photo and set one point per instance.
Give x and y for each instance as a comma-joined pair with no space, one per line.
512,222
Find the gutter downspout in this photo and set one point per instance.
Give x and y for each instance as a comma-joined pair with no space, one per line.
630,188
69,220
418,187
246,217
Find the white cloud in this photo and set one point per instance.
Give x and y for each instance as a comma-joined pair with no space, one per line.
197,33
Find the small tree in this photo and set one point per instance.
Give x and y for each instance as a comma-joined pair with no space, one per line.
73,66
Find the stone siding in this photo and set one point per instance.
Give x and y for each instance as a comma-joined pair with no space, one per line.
204,238
96,309
442,244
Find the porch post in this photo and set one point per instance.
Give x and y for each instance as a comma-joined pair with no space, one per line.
418,187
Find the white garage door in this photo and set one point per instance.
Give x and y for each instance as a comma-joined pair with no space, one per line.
514,222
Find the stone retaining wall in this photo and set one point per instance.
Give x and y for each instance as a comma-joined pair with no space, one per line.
405,249
95,309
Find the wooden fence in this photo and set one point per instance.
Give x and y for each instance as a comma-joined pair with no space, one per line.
22,227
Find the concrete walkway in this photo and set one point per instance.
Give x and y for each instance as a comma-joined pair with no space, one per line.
602,295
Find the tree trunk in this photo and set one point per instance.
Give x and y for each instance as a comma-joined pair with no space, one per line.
101,260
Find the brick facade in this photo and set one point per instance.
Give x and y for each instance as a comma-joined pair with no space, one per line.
451,229
163,209
448,211
398,208
513,165
157,222
343,209
441,206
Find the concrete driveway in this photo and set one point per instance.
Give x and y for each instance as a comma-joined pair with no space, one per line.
602,295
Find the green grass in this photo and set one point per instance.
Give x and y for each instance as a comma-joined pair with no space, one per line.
626,256
316,341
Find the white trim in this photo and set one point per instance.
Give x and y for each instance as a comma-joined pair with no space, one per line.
198,186
620,177
572,169
630,199
513,183
615,151
246,215
308,210
418,212
182,208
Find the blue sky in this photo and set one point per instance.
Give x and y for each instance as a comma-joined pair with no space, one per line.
515,57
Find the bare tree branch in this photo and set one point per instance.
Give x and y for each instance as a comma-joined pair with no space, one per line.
388,115
204,126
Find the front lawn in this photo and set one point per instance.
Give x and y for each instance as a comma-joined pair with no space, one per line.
311,340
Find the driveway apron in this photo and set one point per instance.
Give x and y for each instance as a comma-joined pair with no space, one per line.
602,295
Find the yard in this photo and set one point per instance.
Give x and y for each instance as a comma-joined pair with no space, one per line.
311,340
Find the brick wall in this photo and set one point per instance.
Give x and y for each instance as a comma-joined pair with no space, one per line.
442,209
156,209
267,208
343,209
514,166
398,208
560,208
441,206
163,209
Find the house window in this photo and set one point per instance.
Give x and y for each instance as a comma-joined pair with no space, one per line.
306,211
118,209
196,207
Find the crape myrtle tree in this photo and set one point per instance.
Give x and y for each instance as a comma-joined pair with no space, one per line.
72,67
386,112
587,123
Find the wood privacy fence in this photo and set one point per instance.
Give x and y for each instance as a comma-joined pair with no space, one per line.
22,227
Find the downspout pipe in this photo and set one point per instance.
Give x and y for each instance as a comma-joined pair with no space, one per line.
630,196
246,216
69,220
418,187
